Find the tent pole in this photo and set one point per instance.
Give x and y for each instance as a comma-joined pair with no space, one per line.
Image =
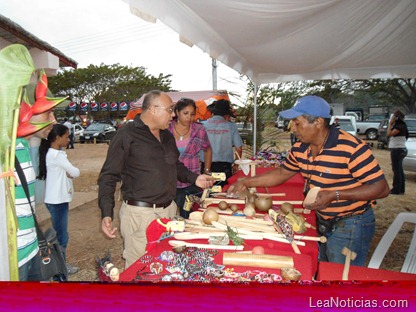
255,120
214,74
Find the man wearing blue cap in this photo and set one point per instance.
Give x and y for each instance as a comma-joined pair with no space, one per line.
344,168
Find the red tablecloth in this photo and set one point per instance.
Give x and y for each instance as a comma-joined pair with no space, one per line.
329,271
303,262
306,262
293,188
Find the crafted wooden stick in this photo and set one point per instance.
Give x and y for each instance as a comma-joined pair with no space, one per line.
190,236
258,261
265,235
176,243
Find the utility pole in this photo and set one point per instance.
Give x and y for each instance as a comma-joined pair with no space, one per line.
214,74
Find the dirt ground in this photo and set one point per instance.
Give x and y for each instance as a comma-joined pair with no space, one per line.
87,242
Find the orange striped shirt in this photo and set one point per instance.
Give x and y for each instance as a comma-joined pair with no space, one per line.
345,162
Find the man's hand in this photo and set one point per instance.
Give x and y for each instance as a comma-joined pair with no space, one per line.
323,199
107,227
237,188
204,181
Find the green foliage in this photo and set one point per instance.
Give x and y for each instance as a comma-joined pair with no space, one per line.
16,69
106,83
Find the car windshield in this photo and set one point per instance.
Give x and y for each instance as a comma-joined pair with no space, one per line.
95,127
241,126
346,125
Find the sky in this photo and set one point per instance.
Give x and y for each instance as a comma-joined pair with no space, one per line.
104,31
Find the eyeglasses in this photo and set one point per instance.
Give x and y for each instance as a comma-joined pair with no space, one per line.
170,110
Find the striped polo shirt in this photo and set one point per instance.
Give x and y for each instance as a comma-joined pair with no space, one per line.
27,242
345,162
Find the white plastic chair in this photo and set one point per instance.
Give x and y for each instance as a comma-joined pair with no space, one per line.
409,265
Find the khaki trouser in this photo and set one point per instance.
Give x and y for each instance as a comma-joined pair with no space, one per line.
133,224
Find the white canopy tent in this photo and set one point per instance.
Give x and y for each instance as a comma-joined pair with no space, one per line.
287,40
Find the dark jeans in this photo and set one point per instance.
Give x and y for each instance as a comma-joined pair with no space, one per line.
59,214
397,155
180,198
71,140
30,271
220,166
355,233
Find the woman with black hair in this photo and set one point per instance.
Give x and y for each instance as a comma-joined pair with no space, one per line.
58,171
191,139
398,133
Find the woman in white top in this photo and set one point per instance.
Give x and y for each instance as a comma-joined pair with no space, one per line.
398,134
59,172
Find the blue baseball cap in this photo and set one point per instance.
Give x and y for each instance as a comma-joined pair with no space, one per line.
308,105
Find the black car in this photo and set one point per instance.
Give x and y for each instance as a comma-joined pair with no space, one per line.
98,132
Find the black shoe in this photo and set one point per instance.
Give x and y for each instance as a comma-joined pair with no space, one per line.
394,193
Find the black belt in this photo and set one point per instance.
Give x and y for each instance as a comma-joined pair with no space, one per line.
139,203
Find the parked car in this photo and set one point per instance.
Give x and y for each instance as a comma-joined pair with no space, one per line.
282,123
245,129
383,140
346,123
101,132
78,131
409,162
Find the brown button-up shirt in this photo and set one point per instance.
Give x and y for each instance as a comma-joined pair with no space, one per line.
147,168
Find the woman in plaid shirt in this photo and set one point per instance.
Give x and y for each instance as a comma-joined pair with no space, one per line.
191,137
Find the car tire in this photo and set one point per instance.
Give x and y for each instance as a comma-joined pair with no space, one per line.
81,141
371,134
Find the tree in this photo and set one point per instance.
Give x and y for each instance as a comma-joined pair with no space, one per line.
106,83
399,93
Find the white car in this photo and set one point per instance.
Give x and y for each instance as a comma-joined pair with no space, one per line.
346,123
409,162
78,131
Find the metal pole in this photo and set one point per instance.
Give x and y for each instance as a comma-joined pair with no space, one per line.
255,120
214,74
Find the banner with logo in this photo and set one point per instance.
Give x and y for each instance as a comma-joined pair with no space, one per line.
113,107
72,106
104,106
123,106
94,107
83,107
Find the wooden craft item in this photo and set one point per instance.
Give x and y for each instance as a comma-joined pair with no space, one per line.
258,261
311,196
176,243
190,236
210,201
197,216
349,255
224,195
269,236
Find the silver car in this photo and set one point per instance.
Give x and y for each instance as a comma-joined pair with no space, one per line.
409,162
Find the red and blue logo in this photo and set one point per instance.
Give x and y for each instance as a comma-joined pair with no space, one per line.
113,106
104,106
124,106
94,106
72,106
84,107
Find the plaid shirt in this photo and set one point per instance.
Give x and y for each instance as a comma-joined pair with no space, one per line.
190,157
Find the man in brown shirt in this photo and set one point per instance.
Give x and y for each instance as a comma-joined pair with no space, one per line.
143,155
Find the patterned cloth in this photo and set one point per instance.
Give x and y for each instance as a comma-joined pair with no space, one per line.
198,141
27,242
